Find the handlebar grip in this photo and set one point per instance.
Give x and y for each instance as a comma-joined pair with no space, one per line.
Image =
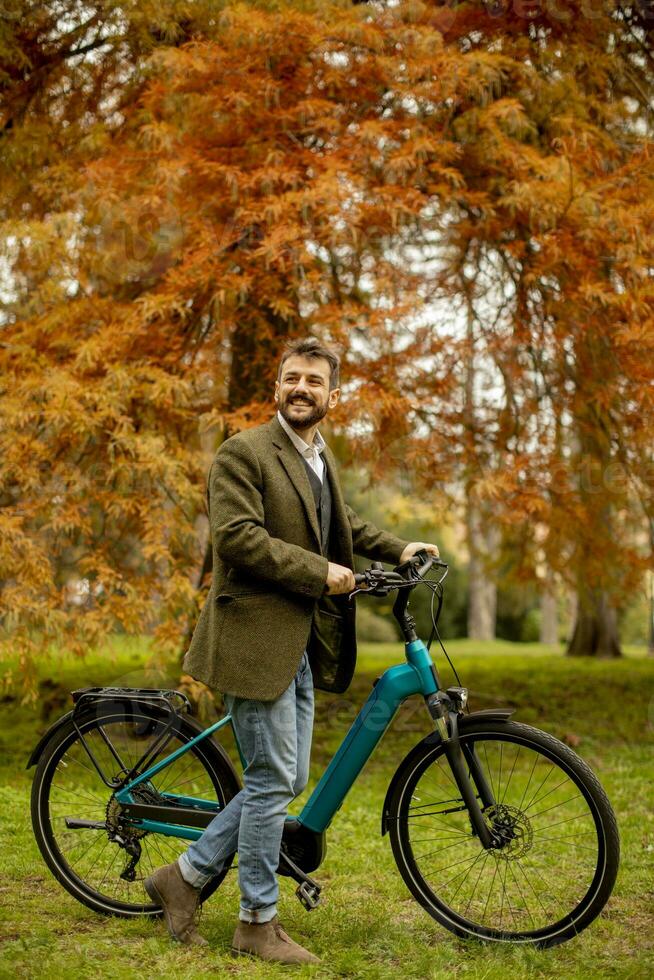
429,561
359,579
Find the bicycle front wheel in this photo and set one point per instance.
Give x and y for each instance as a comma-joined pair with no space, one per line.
558,863
88,860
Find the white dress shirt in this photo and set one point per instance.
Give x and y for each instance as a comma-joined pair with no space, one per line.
310,452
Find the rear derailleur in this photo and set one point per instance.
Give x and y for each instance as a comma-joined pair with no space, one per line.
128,839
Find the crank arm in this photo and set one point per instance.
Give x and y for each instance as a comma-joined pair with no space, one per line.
308,889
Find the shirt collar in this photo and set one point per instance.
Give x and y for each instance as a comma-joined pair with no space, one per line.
302,447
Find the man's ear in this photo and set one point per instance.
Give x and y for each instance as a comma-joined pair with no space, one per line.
276,393
334,395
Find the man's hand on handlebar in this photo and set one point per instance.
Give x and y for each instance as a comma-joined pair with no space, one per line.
415,546
340,579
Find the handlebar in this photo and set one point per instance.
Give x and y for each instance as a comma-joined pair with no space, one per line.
377,581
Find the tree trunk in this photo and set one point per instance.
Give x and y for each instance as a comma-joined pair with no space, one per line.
549,619
650,632
596,627
246,383
482,590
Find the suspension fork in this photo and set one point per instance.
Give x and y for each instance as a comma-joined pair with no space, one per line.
444,708
485,792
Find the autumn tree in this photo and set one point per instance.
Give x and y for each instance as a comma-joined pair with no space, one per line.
244,197
556,178
288,170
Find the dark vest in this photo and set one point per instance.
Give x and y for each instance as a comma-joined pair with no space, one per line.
322,496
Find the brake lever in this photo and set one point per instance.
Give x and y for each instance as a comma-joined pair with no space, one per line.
375,577
372,585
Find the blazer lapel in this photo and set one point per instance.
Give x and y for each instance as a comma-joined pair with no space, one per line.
292,463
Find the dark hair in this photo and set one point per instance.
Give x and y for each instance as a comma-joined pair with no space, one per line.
311,347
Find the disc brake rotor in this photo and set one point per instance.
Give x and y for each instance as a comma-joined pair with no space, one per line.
513,828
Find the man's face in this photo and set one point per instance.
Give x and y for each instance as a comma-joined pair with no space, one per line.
303,396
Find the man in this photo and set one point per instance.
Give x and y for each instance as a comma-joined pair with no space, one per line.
277,623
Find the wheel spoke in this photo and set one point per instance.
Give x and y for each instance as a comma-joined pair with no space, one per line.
528,880
438,850
542,783
577,816
549,793
481,871
533,924
555,806
490,890
508,782
569,842
465,875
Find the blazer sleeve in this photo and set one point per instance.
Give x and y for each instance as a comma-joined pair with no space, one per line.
370,542
236,516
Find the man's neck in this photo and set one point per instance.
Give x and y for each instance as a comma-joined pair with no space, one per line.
307,435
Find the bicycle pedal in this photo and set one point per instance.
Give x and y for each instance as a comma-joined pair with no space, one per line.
309,895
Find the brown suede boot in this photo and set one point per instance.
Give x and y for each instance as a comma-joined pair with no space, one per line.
268,941
179,901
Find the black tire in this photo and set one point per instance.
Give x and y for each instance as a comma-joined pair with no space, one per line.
570,870
66,784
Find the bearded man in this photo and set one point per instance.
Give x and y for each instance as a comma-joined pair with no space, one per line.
276,624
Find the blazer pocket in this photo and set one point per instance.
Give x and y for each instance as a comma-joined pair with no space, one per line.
329,627
227,597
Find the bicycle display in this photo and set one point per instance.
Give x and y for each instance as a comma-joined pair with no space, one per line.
500,831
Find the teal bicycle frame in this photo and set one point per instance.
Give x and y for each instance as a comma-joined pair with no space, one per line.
416,676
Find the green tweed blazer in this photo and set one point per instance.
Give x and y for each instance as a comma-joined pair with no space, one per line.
267,601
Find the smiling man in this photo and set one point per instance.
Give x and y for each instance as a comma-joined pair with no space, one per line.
277,623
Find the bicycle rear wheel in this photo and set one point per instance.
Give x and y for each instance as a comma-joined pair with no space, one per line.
66,784
557,867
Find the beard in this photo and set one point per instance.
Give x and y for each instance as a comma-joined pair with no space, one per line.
310,415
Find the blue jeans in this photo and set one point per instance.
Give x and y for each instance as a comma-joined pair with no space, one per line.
275,739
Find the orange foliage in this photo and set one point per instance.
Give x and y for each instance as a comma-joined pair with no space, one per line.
280,173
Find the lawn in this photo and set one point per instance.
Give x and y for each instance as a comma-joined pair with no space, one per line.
369,925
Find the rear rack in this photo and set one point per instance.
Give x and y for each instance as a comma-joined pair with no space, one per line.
172,701
88,694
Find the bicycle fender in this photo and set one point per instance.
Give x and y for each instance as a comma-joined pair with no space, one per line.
486,714
37,751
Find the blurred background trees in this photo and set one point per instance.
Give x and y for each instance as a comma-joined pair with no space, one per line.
458,197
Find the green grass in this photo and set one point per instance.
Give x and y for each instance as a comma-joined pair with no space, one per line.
369,926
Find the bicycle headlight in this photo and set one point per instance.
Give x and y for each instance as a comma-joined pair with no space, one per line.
459,695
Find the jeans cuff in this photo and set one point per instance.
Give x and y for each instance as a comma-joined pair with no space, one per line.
257,915
190,874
